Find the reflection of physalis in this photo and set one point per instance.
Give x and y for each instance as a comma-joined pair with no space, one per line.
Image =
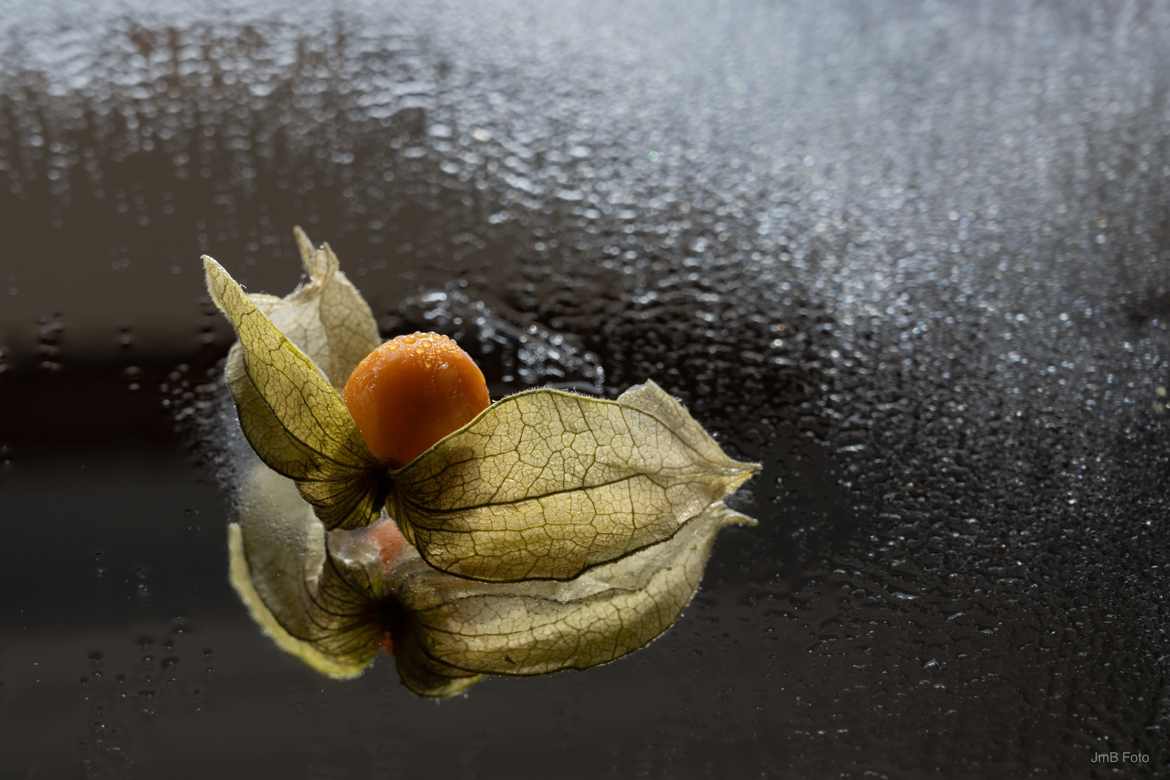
552,531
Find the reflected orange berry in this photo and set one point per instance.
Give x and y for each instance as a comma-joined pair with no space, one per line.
388,540
412,391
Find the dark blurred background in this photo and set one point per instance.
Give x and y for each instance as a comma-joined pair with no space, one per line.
914,256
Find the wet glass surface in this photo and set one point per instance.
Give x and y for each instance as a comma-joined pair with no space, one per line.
916,261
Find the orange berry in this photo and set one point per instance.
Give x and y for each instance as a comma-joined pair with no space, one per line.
412,391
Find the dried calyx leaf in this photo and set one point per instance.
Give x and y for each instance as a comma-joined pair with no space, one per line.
277,562
544,484
326,318
526,628
331,599
289,411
